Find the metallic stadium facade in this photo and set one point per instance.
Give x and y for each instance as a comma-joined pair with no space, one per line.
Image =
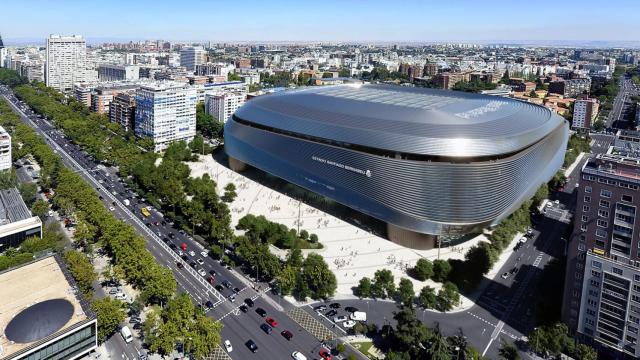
427,162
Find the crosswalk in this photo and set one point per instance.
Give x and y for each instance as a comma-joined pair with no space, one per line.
538,259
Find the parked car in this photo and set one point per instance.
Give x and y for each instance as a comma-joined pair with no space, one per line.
243,308
324,354
340,318
271,321
331,313
320,308
348,324
261,312
287,334
227,284
335,306
252,346
227,346
266,328
350,309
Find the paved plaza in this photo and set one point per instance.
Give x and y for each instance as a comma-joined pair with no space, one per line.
350,251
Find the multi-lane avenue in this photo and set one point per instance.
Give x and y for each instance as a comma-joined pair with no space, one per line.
166,244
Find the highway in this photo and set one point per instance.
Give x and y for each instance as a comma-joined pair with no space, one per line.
619,115
164,242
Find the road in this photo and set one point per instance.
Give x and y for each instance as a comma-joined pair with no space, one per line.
621,110
164,242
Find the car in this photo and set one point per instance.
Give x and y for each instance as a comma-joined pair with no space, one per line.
529,232
549,204
505,275
121,296
227,284
340,318
287,334
324,354
335,306
320,308
232,297
243,308
193,264
114,291
173,246
171,235
297,355
148,224
266,328
208,304
261,312
165,240
200,261
227,346
348,324
556,202
252,346
249,302
179,264
350,309
236,290
211,280
219,287
111,208
514,270
204,253
202,272
331,313
212,273
137,326
163,223
271,321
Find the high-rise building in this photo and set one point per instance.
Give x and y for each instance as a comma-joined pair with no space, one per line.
166,112
111,72
602,282
585,112
192,56
122,110
570,88
5,150
66,61
223,105
3,52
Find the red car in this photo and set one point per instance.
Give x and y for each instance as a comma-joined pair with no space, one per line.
271,322
287,334
211,280
324,353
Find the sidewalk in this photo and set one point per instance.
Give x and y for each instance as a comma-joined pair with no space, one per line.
572,167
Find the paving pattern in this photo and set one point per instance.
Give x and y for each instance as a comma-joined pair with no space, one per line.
218,354
311,324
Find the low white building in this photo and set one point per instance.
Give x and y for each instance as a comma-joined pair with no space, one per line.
111,72
166,112
223,105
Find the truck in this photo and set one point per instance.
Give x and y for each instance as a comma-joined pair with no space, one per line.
126,334
358,316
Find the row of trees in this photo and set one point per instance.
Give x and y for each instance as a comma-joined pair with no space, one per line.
259,229
575,146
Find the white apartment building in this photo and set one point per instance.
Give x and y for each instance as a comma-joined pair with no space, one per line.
166,112
223,105
192,56
66,61
111,72
5,150
584,113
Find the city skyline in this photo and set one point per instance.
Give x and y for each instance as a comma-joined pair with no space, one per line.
350,21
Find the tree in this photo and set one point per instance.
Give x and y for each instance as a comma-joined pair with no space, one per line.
363,290
441,269
110,313
40,208
229,193
558,180
428,298
448,297
82,271
320,279
287,279
422,270
405,292
599,125
383,284
216,251
304,234
340,348
585,352
28,192
541,194
508,351
439,349
533,94
313,238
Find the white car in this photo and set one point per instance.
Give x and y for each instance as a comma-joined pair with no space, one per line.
202,272
111,208
523,239
121,296
349,324
557,202
227,345
200,261
192,253
340,319
204,253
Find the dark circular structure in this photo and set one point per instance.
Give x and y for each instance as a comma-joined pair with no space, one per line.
39,321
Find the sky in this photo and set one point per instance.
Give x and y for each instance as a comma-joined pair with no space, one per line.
326,20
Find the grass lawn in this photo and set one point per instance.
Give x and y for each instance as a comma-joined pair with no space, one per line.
364,348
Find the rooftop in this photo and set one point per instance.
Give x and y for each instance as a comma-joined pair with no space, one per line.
23,288
406,119
614,165
12,207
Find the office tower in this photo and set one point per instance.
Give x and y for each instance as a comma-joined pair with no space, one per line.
602,283
3,52
5,150
166,112
223,105
584,113
192,56
66,61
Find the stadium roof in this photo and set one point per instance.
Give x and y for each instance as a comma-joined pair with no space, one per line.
405,119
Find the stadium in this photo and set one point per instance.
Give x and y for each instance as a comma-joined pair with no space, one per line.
426,162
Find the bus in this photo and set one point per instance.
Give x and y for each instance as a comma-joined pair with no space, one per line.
145,212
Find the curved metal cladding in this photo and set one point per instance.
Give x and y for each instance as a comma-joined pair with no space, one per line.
435,196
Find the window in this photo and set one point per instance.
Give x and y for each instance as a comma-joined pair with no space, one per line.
587,199
583,227
587,189
585,208
636,277
605,193
602,223
605,203
595,273
603,213
596,264
616,270
585,218
601,233
627,198
582,247
589,177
